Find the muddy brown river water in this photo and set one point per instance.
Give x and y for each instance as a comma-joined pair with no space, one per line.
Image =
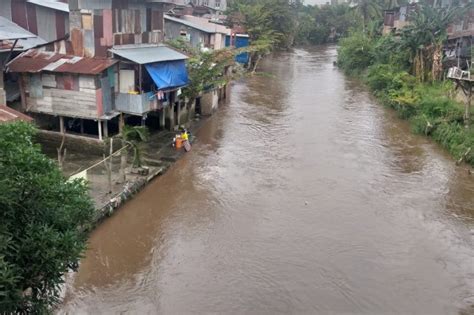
302,195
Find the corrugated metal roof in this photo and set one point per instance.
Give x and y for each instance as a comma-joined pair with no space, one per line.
202,28
143,54
216,28
56,5
34,61
8,114
10,31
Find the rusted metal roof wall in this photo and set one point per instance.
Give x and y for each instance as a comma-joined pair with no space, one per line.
32,18
61,24
35,61
46,23
19,15
8,114
113,22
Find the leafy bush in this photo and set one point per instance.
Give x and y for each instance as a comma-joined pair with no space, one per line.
42,221
355,53
387,50
386,77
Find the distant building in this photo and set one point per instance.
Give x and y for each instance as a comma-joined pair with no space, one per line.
397,18
460,36
217,5
200,32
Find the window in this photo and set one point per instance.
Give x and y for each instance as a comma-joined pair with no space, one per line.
205,3
218,4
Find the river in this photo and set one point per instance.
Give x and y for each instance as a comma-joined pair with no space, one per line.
301,195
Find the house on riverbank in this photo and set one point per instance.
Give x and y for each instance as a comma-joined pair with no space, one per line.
460,37
63,89
88,83
200,32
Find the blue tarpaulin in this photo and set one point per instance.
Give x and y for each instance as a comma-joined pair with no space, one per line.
168,74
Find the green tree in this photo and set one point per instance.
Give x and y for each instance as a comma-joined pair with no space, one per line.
318,25
424,36
206,69
43,219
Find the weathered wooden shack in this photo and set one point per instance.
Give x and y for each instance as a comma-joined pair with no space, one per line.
460,36
66,87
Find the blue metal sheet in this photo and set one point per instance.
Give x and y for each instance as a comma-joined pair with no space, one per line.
239,42
172,74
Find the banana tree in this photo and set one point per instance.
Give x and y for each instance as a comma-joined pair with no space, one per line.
424,38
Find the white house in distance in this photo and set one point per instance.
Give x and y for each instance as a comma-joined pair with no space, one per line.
200,32
218,5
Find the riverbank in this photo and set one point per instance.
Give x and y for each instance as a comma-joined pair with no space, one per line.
434,108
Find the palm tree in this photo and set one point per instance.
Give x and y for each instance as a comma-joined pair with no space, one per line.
367,9
131,136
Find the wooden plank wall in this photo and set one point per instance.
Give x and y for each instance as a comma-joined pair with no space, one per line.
63,95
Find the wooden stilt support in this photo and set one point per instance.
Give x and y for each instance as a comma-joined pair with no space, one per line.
61,125
178,116
171,111
162,119
99,127
106,128
463,80
121,123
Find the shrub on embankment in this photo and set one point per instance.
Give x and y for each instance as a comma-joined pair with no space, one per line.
429,106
